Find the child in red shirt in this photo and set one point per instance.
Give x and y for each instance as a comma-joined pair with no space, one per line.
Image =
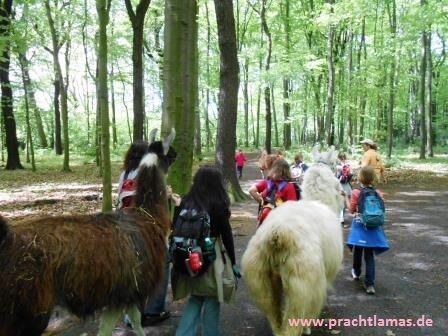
274,190
240,159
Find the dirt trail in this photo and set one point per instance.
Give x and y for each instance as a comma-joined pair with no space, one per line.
411,278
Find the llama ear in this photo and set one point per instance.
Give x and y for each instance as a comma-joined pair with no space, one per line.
166,143
152,135
334,154
315,153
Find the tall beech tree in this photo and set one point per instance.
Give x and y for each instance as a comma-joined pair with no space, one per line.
329,117
228,96
103,9
287,82
137,18
13,158
61,83
180,90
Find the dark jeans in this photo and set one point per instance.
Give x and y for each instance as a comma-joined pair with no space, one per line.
370,263
157,305
240,171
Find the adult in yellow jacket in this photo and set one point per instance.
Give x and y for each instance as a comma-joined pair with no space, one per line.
372,158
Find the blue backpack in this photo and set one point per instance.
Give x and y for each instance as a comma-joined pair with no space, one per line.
371,208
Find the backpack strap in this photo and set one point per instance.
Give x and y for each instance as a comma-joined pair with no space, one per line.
126,173
273,188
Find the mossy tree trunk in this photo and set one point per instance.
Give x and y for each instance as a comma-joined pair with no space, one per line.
228,97
180,90
103,7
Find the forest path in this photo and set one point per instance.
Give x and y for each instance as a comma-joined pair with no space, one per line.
411,278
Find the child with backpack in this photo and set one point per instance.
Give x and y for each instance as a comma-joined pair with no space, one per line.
298,169
344,175
274,190
126,183
366,234
201,224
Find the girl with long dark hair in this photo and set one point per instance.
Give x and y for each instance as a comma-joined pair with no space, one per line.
208,290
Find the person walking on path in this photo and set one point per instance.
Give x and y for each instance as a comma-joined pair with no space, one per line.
372,158
209,290
362,240
298,169
274,190
126,183
344,174
262,161
240,160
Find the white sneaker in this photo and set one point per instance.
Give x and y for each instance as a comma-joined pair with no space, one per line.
370,290
354,276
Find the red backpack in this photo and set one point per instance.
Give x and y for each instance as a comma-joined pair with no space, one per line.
127,191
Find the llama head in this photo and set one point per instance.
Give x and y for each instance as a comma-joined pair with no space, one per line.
166,154
151,188
150,191
329,158
320,183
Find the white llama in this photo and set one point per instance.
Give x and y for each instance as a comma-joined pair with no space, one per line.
295,255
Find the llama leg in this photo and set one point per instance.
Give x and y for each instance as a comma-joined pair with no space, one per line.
135,318
303,299
108,320
271,301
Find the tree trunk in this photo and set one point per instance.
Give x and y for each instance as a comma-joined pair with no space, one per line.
274,115
25,80
267,89
390,110
207,92
362,95
13,158
181,85
287,83
197,135
64,110
57,81
112,103
103,7
60,88
228,96
246,100
330,84
24,62
430,113
421,94
138,24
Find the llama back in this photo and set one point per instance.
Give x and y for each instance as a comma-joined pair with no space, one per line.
66,258
292,255
83,262
305,226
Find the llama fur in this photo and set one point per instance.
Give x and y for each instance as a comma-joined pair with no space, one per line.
293,258
108,261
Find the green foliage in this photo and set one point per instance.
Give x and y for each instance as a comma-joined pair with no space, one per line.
362,69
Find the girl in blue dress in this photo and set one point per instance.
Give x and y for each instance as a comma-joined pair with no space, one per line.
363,241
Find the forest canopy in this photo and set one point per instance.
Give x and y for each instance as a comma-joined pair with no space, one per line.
310,71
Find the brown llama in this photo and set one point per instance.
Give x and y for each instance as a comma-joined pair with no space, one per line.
87,262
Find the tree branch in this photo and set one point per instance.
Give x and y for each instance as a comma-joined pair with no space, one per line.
130,10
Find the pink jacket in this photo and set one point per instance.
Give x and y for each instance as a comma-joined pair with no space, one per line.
240,159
